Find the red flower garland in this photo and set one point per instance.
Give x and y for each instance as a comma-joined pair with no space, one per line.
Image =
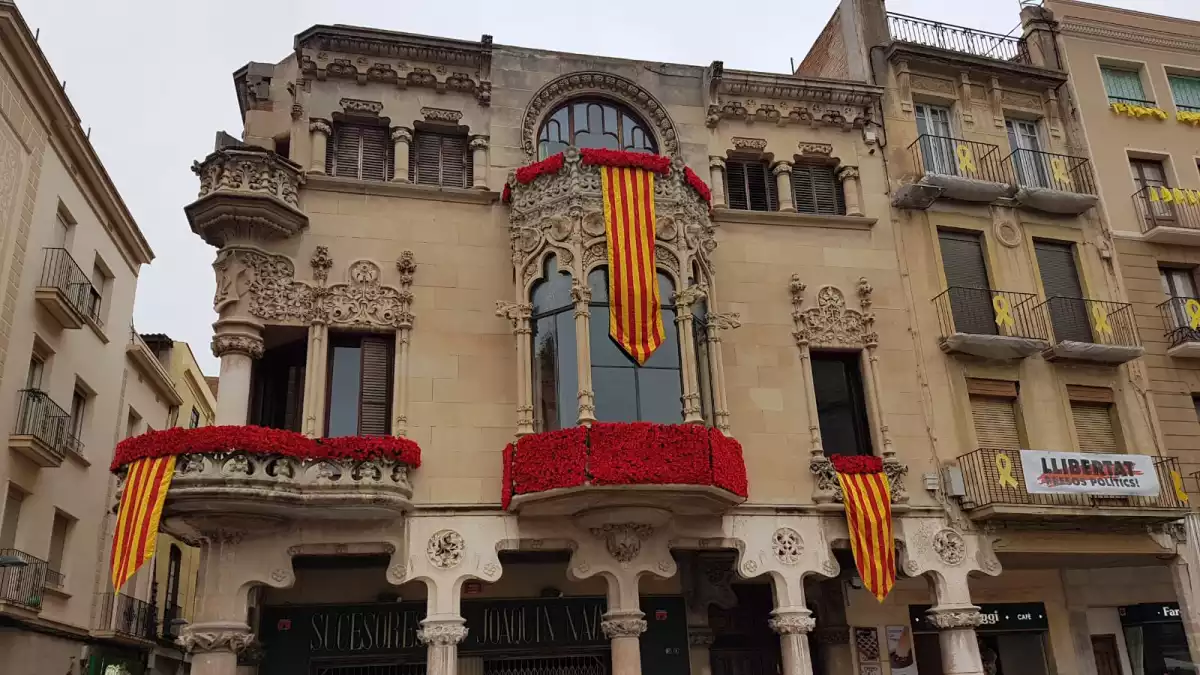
856,463
637,453
697,184
506,195
262,440
601,157
622,158
552,164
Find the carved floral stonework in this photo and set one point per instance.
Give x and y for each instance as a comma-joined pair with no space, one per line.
950,546
205,638
361,107
445,549
815,149
623,540
623,627
751,144
441,115
948,619
787,545
791,623
441,633
831,323
247,345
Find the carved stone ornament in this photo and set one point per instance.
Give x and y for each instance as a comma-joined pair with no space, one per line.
623,540
441,633
700,637
790,623
361,107
845,173
215,637
831,323
623,624
787,545
606,84
946,619
237,344
816,149
320,263
445,549
246,194
402,135
320,125
750,144
441,115
950,546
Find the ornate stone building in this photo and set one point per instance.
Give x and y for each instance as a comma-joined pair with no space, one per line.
410,240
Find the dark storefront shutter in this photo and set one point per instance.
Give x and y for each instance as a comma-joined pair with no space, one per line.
375,399
1060,279
967,280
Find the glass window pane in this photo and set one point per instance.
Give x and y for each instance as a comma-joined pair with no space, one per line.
345,377
545,381
841,405
605,351
658,395
553,291
667,354
598,282
616,399
568,372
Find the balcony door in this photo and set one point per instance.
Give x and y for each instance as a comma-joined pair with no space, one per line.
967,282
937,142
1149,173
1179,285
1029,162
1060,281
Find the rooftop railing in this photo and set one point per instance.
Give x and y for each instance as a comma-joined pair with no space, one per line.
953,38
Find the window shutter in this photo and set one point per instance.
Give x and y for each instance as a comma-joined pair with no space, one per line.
818,190
376,154
995,422
1094,426
440,159
454,153
375,400
347,140
735,176
1186,91
1125,84
751,186
962,259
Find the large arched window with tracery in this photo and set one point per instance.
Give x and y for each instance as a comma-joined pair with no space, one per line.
594,123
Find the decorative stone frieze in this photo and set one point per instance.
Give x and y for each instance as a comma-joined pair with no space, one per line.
623,624
749,144
791,623
785,99
356,106
441,115
246,194
815,149
203,638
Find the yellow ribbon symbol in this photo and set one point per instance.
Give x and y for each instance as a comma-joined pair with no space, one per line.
1153,194
1192,307
1177,481
1192,199
1179,196
966,161
1004,317
1101,320
1165,193
1004,466
1059,169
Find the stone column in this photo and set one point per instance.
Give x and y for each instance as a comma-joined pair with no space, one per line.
442,636
793,626
849,177
684,300
581,294
215,646
237,343
716,173
407,267
960,645
519,314
401,140
479,148
317,360
717,322
320,130
700,641
624,627
783,186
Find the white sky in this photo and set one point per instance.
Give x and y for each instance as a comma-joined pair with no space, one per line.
152,79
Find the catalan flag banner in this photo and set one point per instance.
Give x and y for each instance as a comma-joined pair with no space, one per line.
138,515
634,310
867,496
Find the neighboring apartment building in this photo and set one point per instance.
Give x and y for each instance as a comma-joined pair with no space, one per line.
69,259
1023,337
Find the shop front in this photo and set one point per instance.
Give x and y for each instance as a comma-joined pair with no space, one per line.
1012,639
1155,639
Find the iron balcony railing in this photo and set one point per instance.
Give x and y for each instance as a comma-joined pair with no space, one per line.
985,486
60,271
1037,169
1161,206
1187,108
54,578
985,311
22,584
42,418
946,156
905,28
1181,316
1100,322
126,615
1131,101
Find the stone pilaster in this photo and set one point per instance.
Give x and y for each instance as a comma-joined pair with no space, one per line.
479,148
849,177
320,130
237,343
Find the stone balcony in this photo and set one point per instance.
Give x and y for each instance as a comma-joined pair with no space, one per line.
605,471
246,193
270,476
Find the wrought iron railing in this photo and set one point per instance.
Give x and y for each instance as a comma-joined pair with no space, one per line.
984,311
1161,206
1100,322
1181,317
990,480
1131,101
22,584
126,615
905,28
1037,169
943,155
42,418
60,271
1187,108
54,578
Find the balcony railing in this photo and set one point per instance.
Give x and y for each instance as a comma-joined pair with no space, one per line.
986,486
22,584
1168,207
984,311
958,39
946,156
60,271
126,615
1100,322
54,578
172,622
40,417
1132,101
1177,315
1187,108
1037,169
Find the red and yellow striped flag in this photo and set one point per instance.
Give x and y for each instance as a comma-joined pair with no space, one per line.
634,310
868,500
137,518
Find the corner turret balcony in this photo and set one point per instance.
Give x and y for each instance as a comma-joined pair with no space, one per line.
1169,215
1051,182
673,469
251,474
957,169
1181,316
1092,331
246,193
990,324
65,292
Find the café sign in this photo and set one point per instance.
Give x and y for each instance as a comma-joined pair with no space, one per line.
1089,473
1005,616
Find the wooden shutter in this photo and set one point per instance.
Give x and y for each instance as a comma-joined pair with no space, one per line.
440,159
376,154
1186,91
751,186
962,259
359,151
817,189
1094,426
1126,84
347,138
375,395
995,420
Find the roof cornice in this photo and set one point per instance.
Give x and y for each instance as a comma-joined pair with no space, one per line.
393,45
1074,26
789,87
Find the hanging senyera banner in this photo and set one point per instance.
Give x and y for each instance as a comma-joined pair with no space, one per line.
635,309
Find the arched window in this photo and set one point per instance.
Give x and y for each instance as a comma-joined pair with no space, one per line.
555,377
594,123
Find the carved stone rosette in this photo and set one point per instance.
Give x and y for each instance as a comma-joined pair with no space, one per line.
623,540
445,549
623,624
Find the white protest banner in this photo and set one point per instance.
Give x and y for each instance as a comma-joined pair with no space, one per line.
1089,473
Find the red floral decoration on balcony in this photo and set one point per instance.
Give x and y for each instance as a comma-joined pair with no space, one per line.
636,453
622,158
600,157
856,463
264,441
552,164
697,184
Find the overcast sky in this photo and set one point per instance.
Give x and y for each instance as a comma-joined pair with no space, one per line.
152,79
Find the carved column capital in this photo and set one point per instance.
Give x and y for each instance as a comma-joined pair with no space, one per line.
781,167
716,162
478,143
237,344
442,632
623,624
700,637
401,135
517,313
689,296
791,622
949,618
320,126
846,173
217,636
